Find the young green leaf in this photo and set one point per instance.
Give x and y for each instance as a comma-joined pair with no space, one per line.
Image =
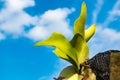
75,51
90,32
59,41
80,22
79,43
70,73
62,55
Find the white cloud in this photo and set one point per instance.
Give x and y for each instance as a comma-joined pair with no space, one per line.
12,17
104,39
114,14
18,4
97,10
37,33
14,20
2,37
51,21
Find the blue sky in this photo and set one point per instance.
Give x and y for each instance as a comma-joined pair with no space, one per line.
24,22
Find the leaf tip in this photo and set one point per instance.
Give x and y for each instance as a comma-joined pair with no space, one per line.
94,25
83,5
37,44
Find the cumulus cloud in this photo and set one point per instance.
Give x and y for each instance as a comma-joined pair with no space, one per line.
2,37
51,21
98,7
14,20
104,39
114,14
15,5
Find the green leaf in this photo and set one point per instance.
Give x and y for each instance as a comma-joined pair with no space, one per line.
70,73
90,32
59,41
80,22
62,55
83,53
79,43
75,51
